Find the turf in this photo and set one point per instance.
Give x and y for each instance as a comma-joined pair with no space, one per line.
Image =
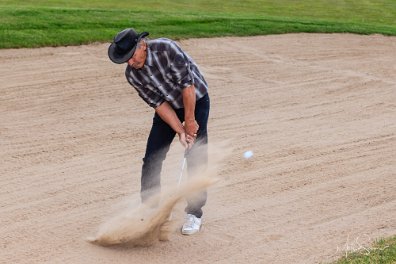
54,23
383,251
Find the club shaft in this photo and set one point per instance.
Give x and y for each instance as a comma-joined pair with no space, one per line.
182,170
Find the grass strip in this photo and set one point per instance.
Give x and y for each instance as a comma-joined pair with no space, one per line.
36,27
382,252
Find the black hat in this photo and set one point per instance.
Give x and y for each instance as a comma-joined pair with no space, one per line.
124,45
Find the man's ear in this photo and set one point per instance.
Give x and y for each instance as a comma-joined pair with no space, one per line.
144,44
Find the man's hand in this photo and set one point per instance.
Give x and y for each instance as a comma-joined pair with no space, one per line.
191,127
167,114
186,140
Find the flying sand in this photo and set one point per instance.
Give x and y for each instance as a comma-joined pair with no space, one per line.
147,224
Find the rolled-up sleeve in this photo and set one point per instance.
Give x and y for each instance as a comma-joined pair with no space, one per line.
180,67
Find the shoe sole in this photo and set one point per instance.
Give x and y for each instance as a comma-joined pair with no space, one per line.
191,233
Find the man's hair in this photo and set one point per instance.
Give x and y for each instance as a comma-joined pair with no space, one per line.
140,42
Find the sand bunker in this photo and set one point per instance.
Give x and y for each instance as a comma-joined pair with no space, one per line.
317,110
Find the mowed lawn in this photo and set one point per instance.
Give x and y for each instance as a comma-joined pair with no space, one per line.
382,251
61,22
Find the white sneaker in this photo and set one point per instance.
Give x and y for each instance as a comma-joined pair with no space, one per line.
192,225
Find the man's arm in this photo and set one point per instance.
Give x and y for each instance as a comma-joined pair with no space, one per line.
168,115
183,77
189,98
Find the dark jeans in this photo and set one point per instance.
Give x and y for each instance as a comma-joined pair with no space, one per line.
158,143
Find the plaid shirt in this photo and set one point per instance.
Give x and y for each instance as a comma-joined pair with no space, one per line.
166,72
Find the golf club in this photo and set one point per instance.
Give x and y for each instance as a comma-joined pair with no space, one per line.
182,167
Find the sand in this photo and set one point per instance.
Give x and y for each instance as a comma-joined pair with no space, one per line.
149,222
144,224
317,110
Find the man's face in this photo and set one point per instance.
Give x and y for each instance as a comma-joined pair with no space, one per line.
139,57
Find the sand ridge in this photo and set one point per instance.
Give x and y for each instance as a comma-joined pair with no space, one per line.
317,110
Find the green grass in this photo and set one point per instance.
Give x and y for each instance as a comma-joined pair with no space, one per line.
61,22
382,252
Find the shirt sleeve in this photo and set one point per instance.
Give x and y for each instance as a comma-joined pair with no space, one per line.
151,98
180,67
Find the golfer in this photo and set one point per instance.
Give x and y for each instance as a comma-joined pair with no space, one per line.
169,81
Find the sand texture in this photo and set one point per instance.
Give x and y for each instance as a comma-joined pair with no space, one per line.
317,110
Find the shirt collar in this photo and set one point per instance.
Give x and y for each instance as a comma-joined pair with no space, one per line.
149,58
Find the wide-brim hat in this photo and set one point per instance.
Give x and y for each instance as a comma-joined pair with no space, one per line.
124,45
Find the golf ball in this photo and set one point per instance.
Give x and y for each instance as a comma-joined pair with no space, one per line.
248,154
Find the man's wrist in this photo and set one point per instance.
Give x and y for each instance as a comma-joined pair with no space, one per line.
191,120
180,131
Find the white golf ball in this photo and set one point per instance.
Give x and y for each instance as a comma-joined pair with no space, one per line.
248,154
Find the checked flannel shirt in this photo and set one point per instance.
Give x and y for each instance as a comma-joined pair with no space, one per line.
166,72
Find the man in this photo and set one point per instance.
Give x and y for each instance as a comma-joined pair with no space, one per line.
168,80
